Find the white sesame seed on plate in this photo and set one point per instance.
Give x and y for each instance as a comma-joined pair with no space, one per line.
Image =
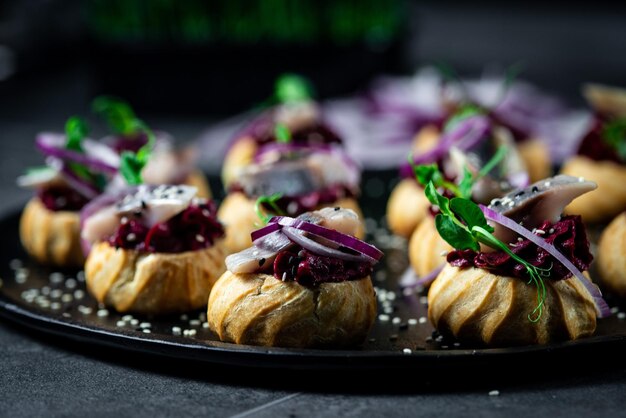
55,305
146,331
134,322
383,318
56,277
199,238
127,318
205,325
396,320
621,315
176,330
424,300
422,320
15,264
85,310
120,323
407,351
56,293
145,325
79,294
614,310
195,322
102,313
412,321
494,393
66,298
184,317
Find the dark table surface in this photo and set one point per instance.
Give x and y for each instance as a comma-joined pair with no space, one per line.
43,375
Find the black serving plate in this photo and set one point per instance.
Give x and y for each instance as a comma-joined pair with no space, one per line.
56,302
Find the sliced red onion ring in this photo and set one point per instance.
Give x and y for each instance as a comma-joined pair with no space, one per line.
411,280
80,185
347,241
466,134
601,306
315,247
54,145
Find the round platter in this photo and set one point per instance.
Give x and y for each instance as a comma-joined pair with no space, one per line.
56,302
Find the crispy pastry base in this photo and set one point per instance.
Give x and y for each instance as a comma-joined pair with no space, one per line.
426,248
609,199
612,256
51,237
258,309
153,283
476,306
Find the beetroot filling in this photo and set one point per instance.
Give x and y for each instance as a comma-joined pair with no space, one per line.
568,236
129,143
296,205
318,134
594,146
58,198
193,229
308,269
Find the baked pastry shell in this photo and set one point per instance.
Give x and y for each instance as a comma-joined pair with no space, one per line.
427,248
611,259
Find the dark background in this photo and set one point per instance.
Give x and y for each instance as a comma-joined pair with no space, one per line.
53,62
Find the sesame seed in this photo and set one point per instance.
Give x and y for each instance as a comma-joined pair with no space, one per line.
15,264
66,315
551,231
412,321
80,276
44,303
540,232
388,310
547,184
79,294
519,239
127,318
391,296
422,320
614,310
494,393
205,325
284,276
383,318
70,283
396,320
195,322
56,277
85,310
55,306
184,317
407,351
199,238
146,331
131,237
120,323
45,290
56,293
124,220
206,213
67,298
145,325
176,330
424,300
621,315
134,322
457,344
445,347
102,313
443,253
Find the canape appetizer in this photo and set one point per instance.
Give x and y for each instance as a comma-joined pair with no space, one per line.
612,256
152,249
295,114
469,139
77,170
602,156
305,282
522,280
130,134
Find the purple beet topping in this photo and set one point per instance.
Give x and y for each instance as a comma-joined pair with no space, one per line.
296,205
594,146
318,134
311,270
193,229
568,236
129,143
57,198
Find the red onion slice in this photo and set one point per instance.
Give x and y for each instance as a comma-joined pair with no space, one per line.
602,307
411,280
315,247
80,185
337,237
466,134
54,145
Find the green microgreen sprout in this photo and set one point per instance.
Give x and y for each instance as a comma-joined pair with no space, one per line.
282,133
131,164
76,130
118,114
271,202
292,88
614,135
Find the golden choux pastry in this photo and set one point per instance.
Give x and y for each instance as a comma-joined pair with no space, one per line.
611,259
536,156
427,250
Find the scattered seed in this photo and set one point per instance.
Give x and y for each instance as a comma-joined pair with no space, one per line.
621,315
56,277
494,393
383,318
176,330
412,321
146,331
195,322
79,294
396,320
205,325
422,320
120,323
85,310
102,313
407,351
145,325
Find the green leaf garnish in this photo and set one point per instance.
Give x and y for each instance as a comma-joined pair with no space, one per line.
131,164
464,112
271,202
282,133
292,88
493,161
614,135
462,224
75,131
118,113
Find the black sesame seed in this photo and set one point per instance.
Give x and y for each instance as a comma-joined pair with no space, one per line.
496,202
520,193
535,189
337,208
143,205
261,262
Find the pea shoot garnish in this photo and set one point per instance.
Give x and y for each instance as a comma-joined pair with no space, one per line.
131,163
119,115
271,202
282,133
614,135
292,88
